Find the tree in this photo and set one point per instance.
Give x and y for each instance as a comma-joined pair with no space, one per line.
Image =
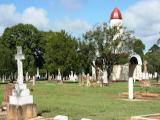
154,48
30,39
109,44
61,52
139,47
85,56
7,64
153,58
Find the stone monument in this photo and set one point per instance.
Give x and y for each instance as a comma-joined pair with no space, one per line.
105,77
38,75
21,105
93,71
130,88
27,76
59,77
72,77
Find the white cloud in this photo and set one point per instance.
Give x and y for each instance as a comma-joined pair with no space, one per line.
143,17
9,17
36,16
74,26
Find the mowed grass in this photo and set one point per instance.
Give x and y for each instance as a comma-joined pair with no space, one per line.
94,103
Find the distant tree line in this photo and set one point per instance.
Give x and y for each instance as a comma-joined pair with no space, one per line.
52,50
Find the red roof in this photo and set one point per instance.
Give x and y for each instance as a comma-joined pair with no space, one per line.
116,14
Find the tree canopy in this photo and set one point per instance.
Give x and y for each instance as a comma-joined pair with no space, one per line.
30,39
153,59
61,52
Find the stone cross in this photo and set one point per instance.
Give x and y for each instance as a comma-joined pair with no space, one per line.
19,57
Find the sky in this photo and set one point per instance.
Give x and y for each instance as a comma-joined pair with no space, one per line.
79,16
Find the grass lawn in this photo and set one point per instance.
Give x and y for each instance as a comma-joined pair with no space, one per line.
95,103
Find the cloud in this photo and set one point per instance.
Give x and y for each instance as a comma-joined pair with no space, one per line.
36,16
72,4
74,26
143,17
9,17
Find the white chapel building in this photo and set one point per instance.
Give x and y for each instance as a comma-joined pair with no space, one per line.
134,66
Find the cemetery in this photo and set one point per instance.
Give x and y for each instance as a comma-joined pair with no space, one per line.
104,75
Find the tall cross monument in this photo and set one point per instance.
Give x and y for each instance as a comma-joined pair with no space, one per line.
20,95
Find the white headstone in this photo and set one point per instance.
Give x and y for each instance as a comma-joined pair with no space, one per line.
85,119
105,77
75,77
27,77
60,117
3,78
72,77
59,77
37,75
130,88
155,75
20,95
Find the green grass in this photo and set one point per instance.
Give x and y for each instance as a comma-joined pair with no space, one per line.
95,103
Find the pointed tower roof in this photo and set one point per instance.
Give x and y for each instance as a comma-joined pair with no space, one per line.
116,14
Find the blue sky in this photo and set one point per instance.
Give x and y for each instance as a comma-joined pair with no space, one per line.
78,16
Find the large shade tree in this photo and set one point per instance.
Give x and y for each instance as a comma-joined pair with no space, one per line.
61,52
30,39
111,45
153,59
7,64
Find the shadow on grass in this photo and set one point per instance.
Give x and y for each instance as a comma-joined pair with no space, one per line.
42,112
70,82
3,83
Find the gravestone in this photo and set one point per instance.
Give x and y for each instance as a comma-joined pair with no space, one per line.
33,80
99,77
93,71
37,75
3,79
105,77
27,76
85,119
130,88
59,77
88,83
7,92
155,74
60,117
75,77
72,77
21,105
